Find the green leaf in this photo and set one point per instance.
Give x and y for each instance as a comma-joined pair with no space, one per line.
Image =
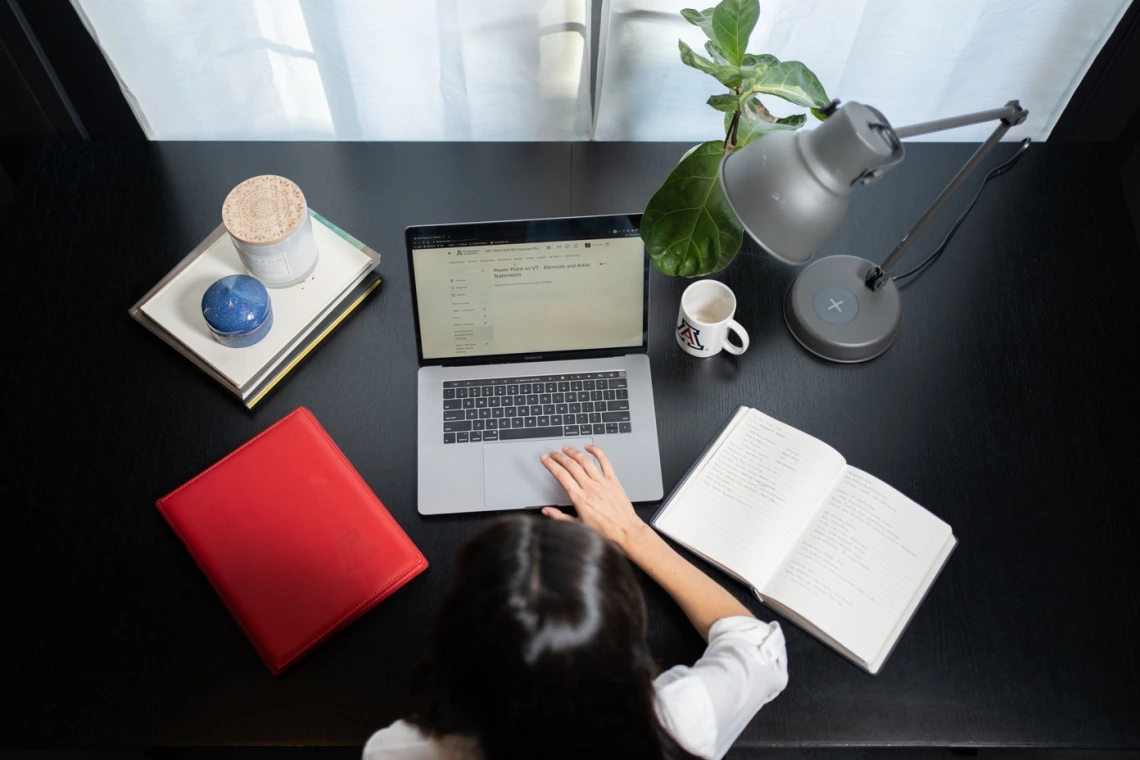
818,114
729,76
688,227
703,19
790,80
752,126
727,103
716,53
752,61
733,22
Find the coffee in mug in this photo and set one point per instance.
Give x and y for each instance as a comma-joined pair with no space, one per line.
705,318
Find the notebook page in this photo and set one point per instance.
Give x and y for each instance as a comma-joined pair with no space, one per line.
923,588
752,495
860,563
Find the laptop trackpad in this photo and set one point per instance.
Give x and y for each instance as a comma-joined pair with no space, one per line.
513,476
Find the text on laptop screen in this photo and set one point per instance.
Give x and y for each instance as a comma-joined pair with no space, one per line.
530,297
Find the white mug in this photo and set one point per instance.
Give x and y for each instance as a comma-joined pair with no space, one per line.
707,308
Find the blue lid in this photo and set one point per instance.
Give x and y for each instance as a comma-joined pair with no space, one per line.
236,305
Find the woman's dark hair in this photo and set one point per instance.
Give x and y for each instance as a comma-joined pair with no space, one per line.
539,650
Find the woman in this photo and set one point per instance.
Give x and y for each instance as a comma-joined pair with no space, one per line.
539,651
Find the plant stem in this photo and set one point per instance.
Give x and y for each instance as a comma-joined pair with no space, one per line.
731,135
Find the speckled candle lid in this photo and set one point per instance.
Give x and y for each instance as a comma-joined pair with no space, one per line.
237,310
236,305
264,210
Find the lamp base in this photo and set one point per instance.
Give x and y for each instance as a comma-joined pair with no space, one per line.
833,314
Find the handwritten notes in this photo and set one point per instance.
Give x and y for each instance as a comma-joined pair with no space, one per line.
752,496
860,563
844,552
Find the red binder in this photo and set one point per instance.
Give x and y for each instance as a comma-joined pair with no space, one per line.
292,538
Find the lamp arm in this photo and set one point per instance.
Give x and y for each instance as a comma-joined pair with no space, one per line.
1011,115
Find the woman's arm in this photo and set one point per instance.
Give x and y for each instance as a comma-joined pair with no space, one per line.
602,504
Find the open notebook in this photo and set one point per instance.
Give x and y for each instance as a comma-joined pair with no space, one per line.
833,549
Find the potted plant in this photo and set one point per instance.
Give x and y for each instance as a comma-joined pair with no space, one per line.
688,227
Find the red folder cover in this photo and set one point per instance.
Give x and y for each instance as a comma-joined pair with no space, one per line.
292,538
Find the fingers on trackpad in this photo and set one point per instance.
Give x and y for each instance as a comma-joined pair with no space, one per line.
513,476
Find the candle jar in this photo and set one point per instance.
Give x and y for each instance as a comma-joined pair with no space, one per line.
269,222
237,310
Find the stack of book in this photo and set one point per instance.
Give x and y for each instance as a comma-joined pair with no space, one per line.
304,314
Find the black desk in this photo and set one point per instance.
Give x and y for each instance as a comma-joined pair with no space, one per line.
1006,408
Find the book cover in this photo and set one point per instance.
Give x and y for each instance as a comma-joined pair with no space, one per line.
292,539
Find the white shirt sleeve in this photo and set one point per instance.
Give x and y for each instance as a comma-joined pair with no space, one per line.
403,741
706,706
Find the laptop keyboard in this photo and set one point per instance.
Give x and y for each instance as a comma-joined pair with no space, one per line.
551,406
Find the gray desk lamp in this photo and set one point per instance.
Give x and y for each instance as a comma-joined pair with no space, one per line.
790,190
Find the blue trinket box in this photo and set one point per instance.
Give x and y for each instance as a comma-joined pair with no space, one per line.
237,310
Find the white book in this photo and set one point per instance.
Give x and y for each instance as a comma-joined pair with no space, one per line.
835,550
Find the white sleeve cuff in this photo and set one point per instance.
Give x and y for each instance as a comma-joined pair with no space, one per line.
706,706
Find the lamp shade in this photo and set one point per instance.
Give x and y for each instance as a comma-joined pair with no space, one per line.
790,190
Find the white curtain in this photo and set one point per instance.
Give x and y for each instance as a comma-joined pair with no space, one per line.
914,60
349,69
519,69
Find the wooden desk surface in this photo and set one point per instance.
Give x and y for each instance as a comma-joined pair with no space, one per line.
1006,407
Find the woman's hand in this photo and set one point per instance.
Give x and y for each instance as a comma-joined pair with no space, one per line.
602,504
595,492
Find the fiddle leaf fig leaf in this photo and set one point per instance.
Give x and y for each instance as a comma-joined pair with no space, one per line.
703,19
688,227
729,76
752,61
732,25
752,125
790,80
716,53
726,103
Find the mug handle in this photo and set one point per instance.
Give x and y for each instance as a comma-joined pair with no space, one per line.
741,334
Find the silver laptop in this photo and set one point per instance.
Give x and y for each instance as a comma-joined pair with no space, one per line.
532,335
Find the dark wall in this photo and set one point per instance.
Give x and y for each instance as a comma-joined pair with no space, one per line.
88,92
54,83
22,117
1106,105
1127,77
21,120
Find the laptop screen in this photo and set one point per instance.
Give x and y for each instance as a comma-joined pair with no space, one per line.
542,286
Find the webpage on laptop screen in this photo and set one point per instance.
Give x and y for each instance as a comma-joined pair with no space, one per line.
515,298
